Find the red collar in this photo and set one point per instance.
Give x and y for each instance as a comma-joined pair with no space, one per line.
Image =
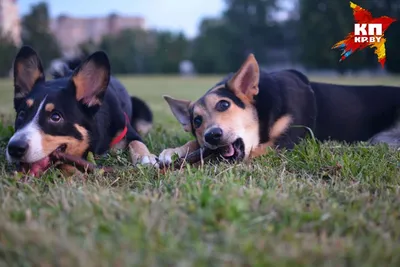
121,136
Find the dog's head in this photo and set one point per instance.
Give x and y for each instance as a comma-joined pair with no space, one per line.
56,114
225,118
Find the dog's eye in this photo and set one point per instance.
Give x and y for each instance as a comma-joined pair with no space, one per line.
197,121
55,117
222,105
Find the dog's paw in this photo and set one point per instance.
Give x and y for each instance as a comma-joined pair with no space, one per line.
165,157
146,160
149,160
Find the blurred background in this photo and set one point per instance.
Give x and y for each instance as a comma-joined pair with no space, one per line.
195,36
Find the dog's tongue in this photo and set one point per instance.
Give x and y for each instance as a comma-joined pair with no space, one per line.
228,151
36,168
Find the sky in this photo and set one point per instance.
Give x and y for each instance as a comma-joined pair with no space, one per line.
176,15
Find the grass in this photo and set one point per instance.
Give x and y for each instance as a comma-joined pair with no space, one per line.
319,205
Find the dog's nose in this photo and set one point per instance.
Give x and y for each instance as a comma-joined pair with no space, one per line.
17,148
213,136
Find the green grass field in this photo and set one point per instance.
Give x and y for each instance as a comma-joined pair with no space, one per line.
319,205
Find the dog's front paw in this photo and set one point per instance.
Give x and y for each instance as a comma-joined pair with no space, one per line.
149,160
146,160
165,158
141,155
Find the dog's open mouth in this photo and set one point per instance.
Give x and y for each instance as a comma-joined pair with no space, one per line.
40,166
234,151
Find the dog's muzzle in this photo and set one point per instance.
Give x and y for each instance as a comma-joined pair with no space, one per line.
213,136
17,148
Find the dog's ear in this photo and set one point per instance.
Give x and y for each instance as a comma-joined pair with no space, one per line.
28,70
91,79
180,109
245,81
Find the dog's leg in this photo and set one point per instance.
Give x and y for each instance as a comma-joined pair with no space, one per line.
166,155
139,152
390,137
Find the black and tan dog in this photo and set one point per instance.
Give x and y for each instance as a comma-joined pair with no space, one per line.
79,111
251,110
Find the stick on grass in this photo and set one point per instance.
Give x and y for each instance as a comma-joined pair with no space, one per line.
79,163
192,158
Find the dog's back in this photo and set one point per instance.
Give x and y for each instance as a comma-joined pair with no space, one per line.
332,111
117,97
354,113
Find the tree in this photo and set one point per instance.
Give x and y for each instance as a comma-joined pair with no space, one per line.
213,50
389,8
392,47
246,26
121,51
171,50
36,33
254,26
137,51
7,52
324,22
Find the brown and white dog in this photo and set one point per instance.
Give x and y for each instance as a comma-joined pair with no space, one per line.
252,109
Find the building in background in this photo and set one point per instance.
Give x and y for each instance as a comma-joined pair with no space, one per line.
10,21
72,31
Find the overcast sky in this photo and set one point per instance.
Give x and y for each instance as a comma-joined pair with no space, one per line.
177,15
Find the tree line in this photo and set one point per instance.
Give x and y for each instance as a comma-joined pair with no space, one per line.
245,26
